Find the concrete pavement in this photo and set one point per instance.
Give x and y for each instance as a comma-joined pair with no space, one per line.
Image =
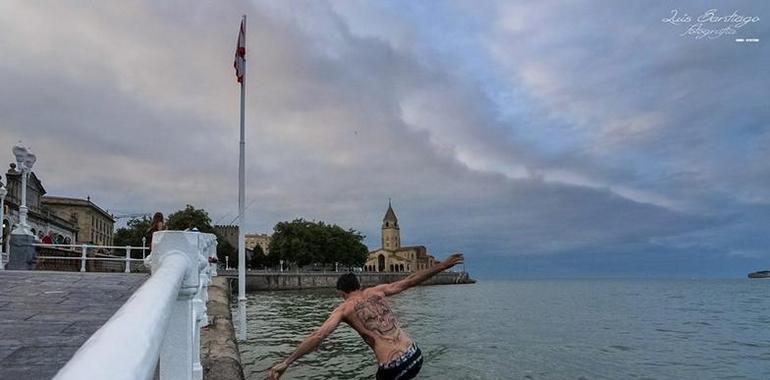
46,316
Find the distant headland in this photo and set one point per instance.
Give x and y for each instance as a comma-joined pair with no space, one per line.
760,274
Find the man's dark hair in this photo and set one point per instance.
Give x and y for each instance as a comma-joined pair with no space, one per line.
348,282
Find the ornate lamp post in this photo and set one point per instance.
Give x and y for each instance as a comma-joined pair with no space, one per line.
24,160
3,193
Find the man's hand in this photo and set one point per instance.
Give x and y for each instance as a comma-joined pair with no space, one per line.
277,370
453,260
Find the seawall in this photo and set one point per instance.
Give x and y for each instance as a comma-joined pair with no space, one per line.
258,281
220,357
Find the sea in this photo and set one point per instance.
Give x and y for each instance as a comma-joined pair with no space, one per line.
535,329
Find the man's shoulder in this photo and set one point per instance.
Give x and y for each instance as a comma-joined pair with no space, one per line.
373,292
365,295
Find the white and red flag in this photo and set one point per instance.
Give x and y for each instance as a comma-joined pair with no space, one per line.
240,53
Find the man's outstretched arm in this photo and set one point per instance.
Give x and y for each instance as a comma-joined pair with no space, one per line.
309,344
416,278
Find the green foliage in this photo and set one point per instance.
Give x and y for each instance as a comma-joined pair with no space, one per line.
190,217
225,249
257,258
300,242
132,235
303,242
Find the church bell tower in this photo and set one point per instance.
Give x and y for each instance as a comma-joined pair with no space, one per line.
391,235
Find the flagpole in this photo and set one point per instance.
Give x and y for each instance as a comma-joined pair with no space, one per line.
241,205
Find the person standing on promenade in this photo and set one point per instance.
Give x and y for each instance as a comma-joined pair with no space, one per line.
156,225
367,312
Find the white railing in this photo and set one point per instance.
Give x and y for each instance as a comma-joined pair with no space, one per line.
83,248
160,324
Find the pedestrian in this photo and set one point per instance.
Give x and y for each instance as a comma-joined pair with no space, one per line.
156,225
48,238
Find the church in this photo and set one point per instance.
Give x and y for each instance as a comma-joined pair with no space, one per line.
392,257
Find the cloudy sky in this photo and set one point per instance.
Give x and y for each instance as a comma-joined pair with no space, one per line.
539,138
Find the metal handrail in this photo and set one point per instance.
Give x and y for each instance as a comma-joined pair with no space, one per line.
88,245
160,324
84,253
88,258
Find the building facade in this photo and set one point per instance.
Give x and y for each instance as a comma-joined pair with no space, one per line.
41,219
95,225
261,240
392,257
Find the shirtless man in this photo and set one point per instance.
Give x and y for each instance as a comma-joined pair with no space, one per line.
367,312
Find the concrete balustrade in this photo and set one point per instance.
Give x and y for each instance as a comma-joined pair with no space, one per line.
160,324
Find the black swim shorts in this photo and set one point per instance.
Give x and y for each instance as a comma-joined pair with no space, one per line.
406,366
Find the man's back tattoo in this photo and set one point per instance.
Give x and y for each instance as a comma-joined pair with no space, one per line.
376,316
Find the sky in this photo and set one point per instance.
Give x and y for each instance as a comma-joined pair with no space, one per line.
539,138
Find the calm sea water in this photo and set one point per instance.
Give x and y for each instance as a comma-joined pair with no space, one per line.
537,329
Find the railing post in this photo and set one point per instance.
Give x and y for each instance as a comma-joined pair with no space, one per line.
179,356
128,259
83,253
199,305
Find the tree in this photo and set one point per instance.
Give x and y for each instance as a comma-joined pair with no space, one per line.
303,242
191,217
226,250
257,259
132,235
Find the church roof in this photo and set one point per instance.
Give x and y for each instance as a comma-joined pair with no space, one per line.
390,215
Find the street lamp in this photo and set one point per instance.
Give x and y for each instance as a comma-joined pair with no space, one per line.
3,193
24,160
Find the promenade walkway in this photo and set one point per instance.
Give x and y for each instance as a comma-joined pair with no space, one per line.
46,316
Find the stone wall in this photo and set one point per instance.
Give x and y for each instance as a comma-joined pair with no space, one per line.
220,357
312,280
